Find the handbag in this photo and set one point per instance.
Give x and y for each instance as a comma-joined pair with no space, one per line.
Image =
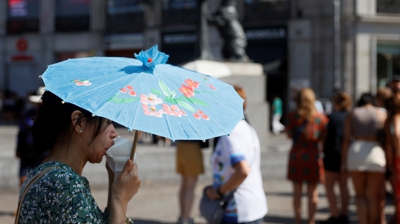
213,210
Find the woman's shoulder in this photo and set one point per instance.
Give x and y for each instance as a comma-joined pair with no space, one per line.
58,173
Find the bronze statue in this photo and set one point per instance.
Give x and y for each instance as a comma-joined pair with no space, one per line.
230,29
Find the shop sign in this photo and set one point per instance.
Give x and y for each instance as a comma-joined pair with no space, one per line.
272,33
179,38
21,45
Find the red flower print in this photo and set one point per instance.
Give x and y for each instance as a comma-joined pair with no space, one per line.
173,110
82,82
132,93
128,89
150,99
211,86
192,84
201,115
197,116
187,91
151,111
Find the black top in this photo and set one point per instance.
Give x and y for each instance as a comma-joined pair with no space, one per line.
333,142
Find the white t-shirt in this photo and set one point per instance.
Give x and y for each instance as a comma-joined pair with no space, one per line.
249,203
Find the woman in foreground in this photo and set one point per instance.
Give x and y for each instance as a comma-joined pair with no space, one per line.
62,195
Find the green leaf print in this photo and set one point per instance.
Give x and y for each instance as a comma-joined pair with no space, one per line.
123,100
164,88
156,91
170,100
172,95
186,105
197,101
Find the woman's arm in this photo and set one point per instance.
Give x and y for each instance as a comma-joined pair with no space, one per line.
242,170
121,192
389,149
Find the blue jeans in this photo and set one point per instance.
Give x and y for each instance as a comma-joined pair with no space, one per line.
259,221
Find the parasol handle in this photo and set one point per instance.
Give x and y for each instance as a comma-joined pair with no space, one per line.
135,140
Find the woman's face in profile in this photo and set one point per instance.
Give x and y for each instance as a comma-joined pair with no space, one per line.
103,141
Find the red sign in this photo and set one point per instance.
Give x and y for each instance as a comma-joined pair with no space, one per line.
22,44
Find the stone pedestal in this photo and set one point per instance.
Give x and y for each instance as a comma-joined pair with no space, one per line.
251,78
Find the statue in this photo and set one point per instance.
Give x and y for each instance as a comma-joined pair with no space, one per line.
230,29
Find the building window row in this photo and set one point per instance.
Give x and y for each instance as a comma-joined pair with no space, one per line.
124,16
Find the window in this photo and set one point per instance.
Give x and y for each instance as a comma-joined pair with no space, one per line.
388,6
124,16
23,16
72,15
388,62
179,12
261,10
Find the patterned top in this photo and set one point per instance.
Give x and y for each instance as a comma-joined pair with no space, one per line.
60,196
305,163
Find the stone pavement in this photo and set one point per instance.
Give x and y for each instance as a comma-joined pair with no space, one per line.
157,200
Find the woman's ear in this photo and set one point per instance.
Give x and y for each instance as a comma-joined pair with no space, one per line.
76,119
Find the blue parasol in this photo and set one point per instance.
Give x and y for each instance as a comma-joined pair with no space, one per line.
146,94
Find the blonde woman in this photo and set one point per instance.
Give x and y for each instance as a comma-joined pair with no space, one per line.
307,128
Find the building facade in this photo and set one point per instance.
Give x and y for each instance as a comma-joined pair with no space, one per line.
352,45
343,45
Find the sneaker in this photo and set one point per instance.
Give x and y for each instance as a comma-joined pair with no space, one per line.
186,221
330,220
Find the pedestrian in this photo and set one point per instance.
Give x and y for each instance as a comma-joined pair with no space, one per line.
392,134
332,160
381,99
60,194
236,167
189,165
394,84
364,157
307,128
276,115
24,150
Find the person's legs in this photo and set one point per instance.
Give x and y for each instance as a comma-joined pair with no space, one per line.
344,195
277,127
186,195
312,194
330,179
189,165
297,192
359,180
373,189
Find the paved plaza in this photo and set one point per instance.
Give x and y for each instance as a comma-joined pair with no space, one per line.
157,200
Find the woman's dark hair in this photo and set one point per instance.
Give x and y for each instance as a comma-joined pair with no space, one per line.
53,122
366,98
342,100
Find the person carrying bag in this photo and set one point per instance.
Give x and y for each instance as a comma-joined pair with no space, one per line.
237,194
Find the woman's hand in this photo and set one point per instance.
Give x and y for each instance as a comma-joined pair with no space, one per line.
125,186
212,193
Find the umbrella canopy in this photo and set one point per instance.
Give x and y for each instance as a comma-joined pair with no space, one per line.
146,94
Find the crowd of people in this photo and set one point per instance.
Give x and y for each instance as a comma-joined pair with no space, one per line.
359,143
